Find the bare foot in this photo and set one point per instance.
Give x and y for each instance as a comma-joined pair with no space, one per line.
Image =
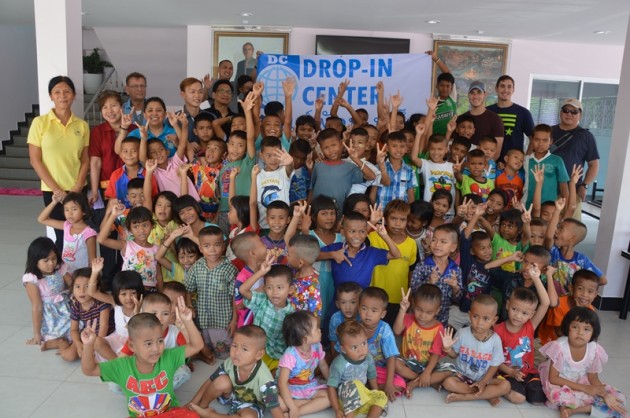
494,401
411,385
564,412
454,397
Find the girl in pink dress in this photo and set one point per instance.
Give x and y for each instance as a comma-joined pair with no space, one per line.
570,375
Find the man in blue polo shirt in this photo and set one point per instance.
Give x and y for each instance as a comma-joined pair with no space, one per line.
353,260
136,89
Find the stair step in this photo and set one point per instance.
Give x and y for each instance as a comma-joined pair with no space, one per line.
20,184
18,174
19,141
14,162
16,151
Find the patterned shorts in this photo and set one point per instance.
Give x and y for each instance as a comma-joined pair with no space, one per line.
355,397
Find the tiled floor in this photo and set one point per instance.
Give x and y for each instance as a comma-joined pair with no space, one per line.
35,384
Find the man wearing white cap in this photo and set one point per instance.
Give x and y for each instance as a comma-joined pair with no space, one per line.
576,146
487,123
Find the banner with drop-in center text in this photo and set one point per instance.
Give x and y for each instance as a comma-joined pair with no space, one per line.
320,75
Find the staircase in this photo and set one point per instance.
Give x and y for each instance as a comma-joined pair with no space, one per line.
15,167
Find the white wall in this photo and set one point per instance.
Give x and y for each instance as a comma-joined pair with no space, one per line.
18,84
529,58
158,53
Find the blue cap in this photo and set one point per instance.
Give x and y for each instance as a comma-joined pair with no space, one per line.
477,85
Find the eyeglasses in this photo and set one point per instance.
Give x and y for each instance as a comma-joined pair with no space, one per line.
224,91
137,86
571,111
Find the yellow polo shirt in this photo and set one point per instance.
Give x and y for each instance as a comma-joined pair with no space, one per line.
61,147
394,275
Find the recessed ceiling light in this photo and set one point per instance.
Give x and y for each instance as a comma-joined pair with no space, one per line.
247,14
245,22
601,32
84,14
480,32
433,22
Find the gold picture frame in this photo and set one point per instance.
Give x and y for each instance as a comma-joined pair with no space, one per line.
229,45
470,61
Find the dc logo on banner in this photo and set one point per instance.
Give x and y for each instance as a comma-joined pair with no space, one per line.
273,76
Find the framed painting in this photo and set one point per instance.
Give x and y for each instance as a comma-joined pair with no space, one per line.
470,61
242,49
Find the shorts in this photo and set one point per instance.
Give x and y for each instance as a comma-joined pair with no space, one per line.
464,379
272,363
219,341
530,387
381,378
355,397
418,367
458,319
236,405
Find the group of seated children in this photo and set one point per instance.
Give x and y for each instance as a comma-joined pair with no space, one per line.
298,262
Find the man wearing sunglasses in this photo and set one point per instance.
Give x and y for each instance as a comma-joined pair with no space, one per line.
576,146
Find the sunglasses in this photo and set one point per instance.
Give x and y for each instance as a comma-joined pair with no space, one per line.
571,111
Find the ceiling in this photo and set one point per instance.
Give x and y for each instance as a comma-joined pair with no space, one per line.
551,20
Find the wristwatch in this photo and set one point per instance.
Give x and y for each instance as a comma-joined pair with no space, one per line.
584,185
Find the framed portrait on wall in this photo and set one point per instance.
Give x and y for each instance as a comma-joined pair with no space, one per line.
242,48
470,61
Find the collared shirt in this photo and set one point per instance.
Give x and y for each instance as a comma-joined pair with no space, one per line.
401,181
270,319
138,116
167,130
215,292
191,123
118,182
363,264
168,178
227,126
102,139
422,274
61,147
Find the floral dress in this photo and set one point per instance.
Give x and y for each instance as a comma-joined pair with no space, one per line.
55,308
559,353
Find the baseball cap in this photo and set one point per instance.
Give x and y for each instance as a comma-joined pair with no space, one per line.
573,102
477,85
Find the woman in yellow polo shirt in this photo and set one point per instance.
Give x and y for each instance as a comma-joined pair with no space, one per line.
58,147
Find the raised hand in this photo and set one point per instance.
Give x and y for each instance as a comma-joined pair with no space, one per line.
126,119
172,118
452,280
420,128
396,100
258,88
88,335
307,220
380,89
534,271
284,157
435,275
404,302
137,304
183,170
376,213
144,130
432,103
182,118
150,165
448,338
342,88
255,171
379,228
265,266
539,173
457,166
526,217
381,153
353,152
97,264
518,256
248,103
180,231
234,172
207,81
340,256
560,203
452,124
288,86
480,210
183,312
576,173
309,163
319,103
